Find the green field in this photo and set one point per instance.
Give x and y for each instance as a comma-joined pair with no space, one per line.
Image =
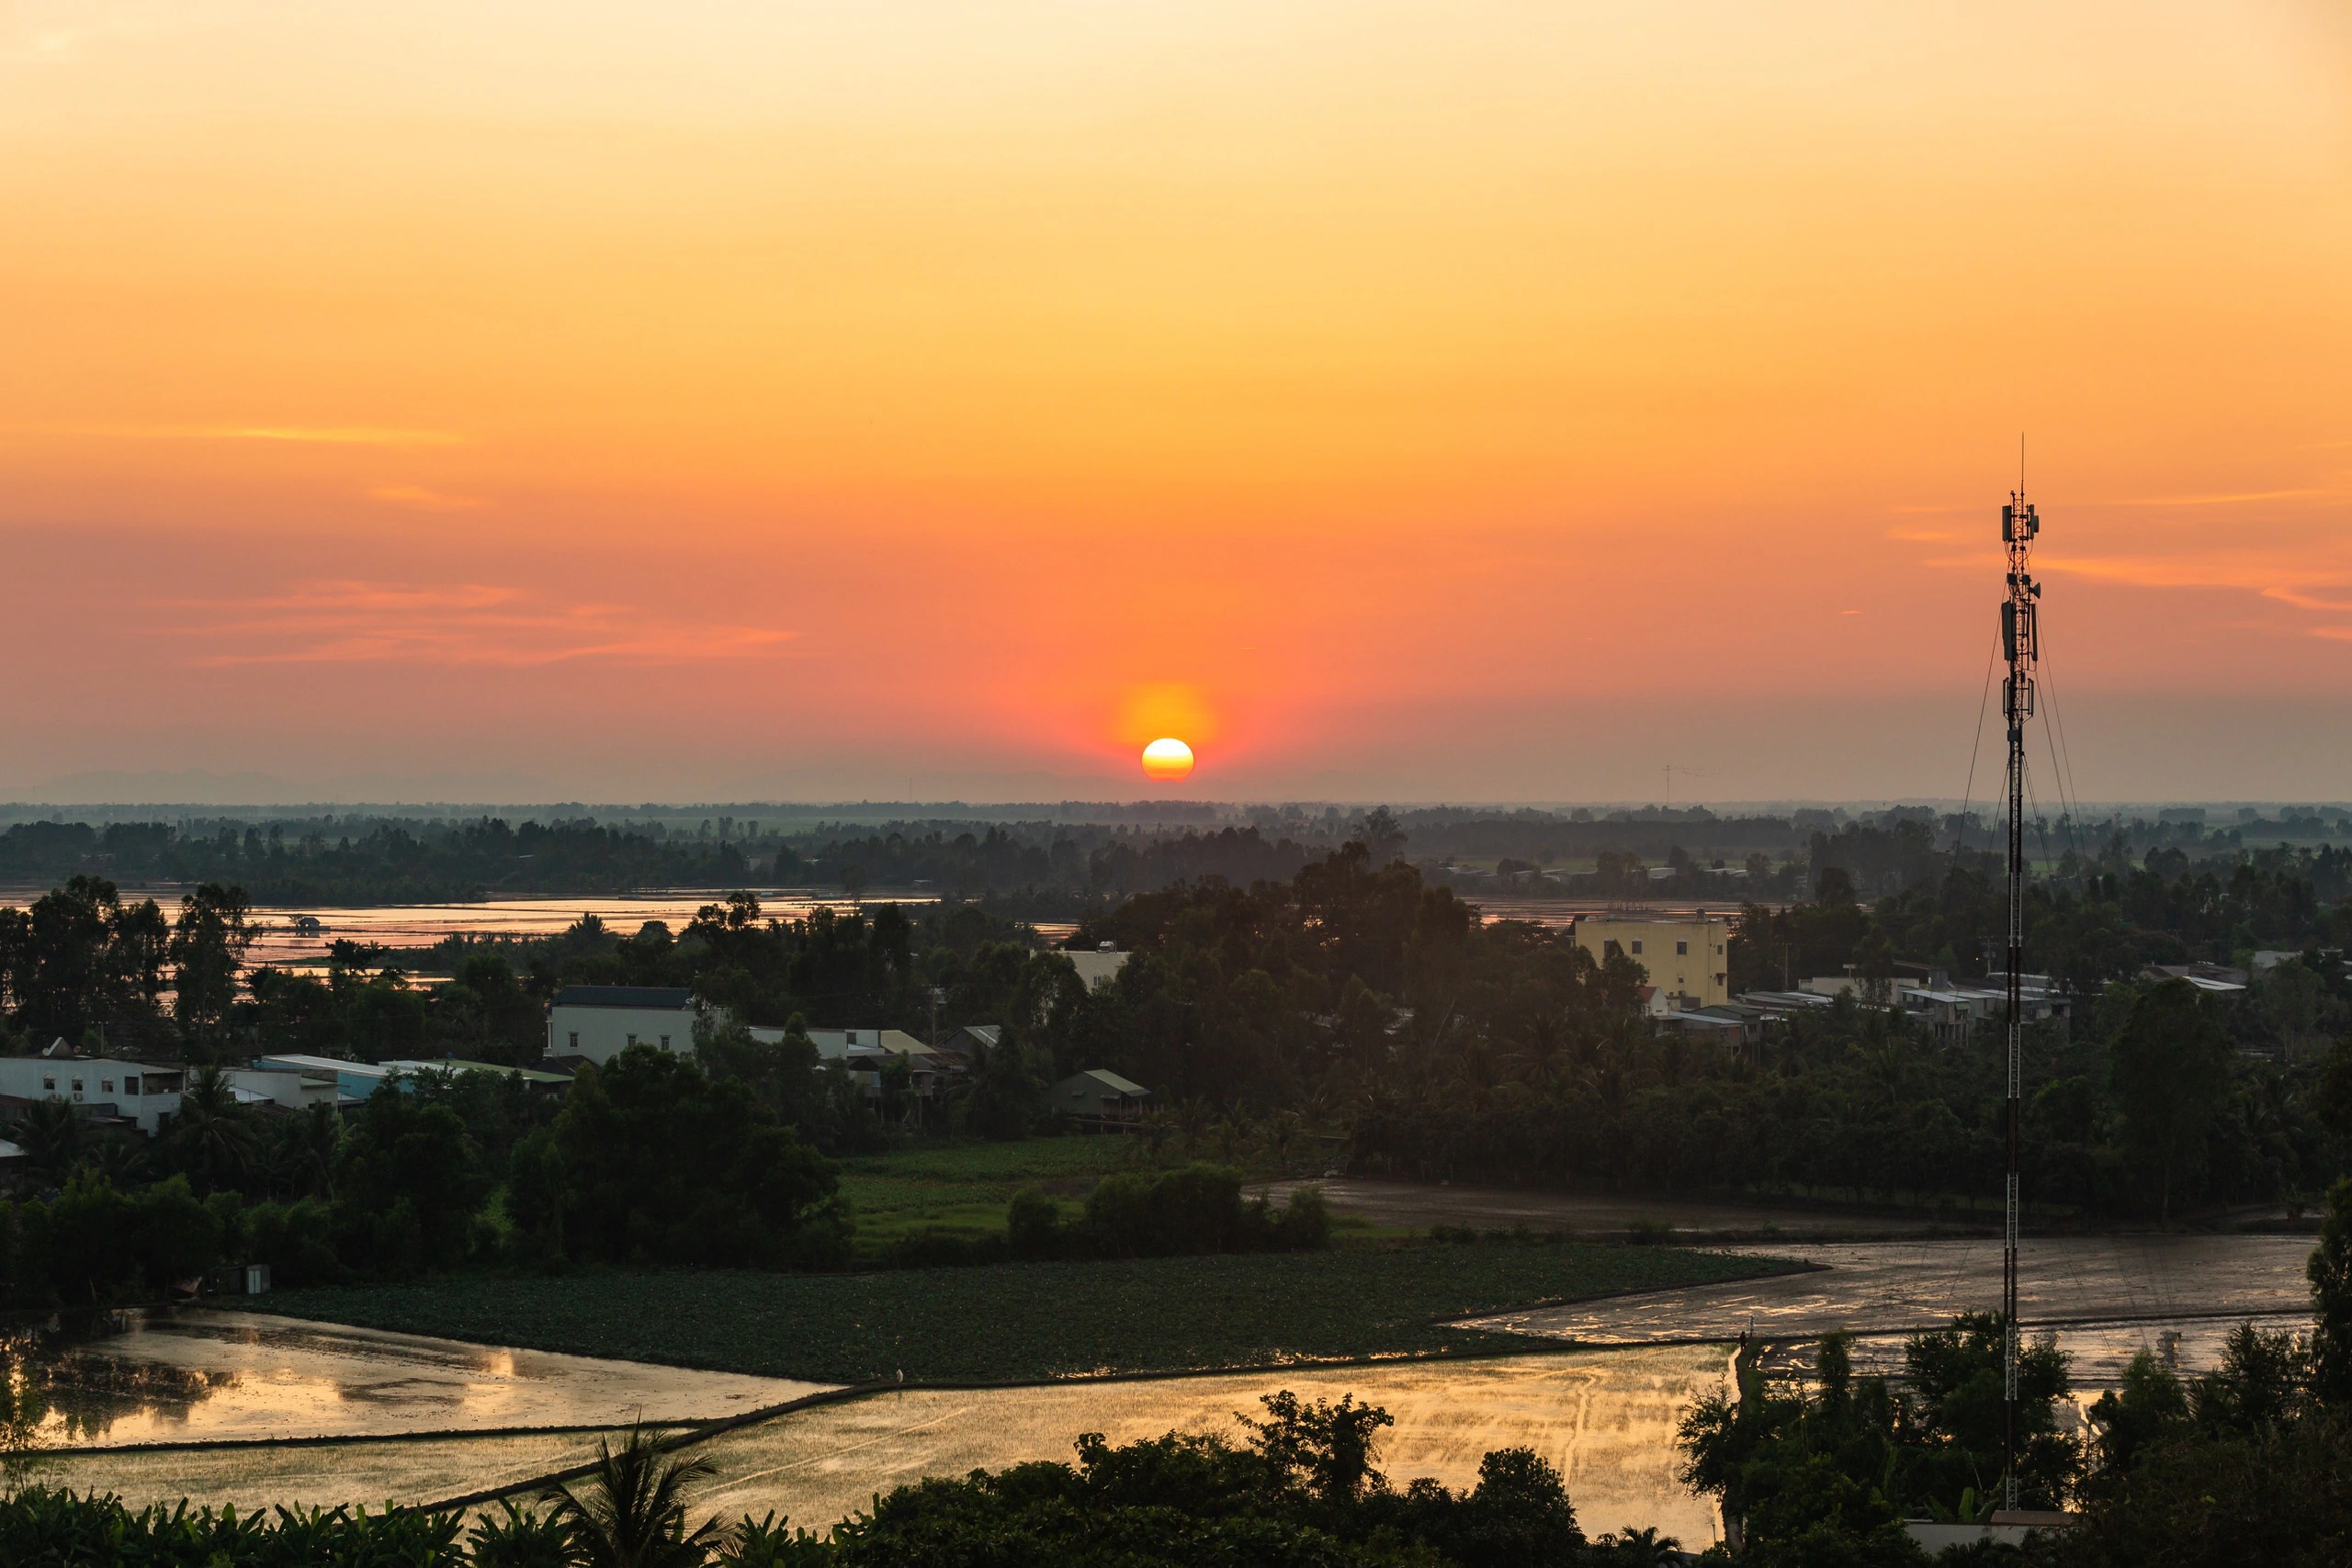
1025,1319
963,1189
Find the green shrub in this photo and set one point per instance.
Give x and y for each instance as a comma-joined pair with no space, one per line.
1194,1209
297,1240
1305,1222
92,1245
1033,1223
521,1538
39,1526
768,1543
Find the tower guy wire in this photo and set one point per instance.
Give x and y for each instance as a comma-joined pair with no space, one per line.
1976,741
2061,758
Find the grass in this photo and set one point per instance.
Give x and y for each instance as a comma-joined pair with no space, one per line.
963,1189
1026,1320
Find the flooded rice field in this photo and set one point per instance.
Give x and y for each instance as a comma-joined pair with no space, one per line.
1865,1286
283,943
2104,1298
1606,1417
196,1376
308,1474
422,925
1603,1409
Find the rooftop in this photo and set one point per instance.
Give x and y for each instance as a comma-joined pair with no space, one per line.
670,999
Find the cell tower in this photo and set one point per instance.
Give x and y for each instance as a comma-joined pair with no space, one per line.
2020,640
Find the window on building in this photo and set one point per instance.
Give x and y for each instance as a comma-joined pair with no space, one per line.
77,1086
1638,947
632,1039
575,1040
665,1042
130,1087
1681,950
106,1086
48,1083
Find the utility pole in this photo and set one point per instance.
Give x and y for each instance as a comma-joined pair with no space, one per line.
2019,641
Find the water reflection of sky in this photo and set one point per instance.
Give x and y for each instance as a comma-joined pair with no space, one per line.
2101,1298
422,925
1605,1415
201,1376
1605,1418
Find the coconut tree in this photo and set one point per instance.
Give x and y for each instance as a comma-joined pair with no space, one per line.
121,1161
630,1511
1284,1132
52,1135
214,1133
1193,1119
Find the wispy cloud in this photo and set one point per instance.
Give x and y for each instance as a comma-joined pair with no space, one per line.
337,435
2313,575
2298,580
297,434
2232,498
418,497
347,621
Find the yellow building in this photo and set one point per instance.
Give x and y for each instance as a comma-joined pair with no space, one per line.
1682,954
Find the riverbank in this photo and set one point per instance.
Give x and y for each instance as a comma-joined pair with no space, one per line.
1030,1320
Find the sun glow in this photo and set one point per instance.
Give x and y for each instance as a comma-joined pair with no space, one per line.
1166,760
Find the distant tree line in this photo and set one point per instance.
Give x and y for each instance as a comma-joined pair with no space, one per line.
386,862
1354,1015
1064,869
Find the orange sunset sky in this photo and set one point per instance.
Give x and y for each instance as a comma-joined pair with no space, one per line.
1466,401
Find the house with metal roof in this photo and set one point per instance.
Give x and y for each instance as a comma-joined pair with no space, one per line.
1098,1096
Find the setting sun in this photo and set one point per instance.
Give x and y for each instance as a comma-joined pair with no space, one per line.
1167,761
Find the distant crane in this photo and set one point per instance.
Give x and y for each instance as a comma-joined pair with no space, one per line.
1672,769
2020,643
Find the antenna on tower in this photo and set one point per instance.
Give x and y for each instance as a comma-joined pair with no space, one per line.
2021,642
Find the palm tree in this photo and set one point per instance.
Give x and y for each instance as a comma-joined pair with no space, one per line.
1157,1128
1284,1131
213,1127
52,1135
1229,1134
631,1511
1193,1118
302,1158
1644,1545
120,1161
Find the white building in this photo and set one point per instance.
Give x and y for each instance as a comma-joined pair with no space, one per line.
354,1081
289,1088
1099,967
601,1022
97,1086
